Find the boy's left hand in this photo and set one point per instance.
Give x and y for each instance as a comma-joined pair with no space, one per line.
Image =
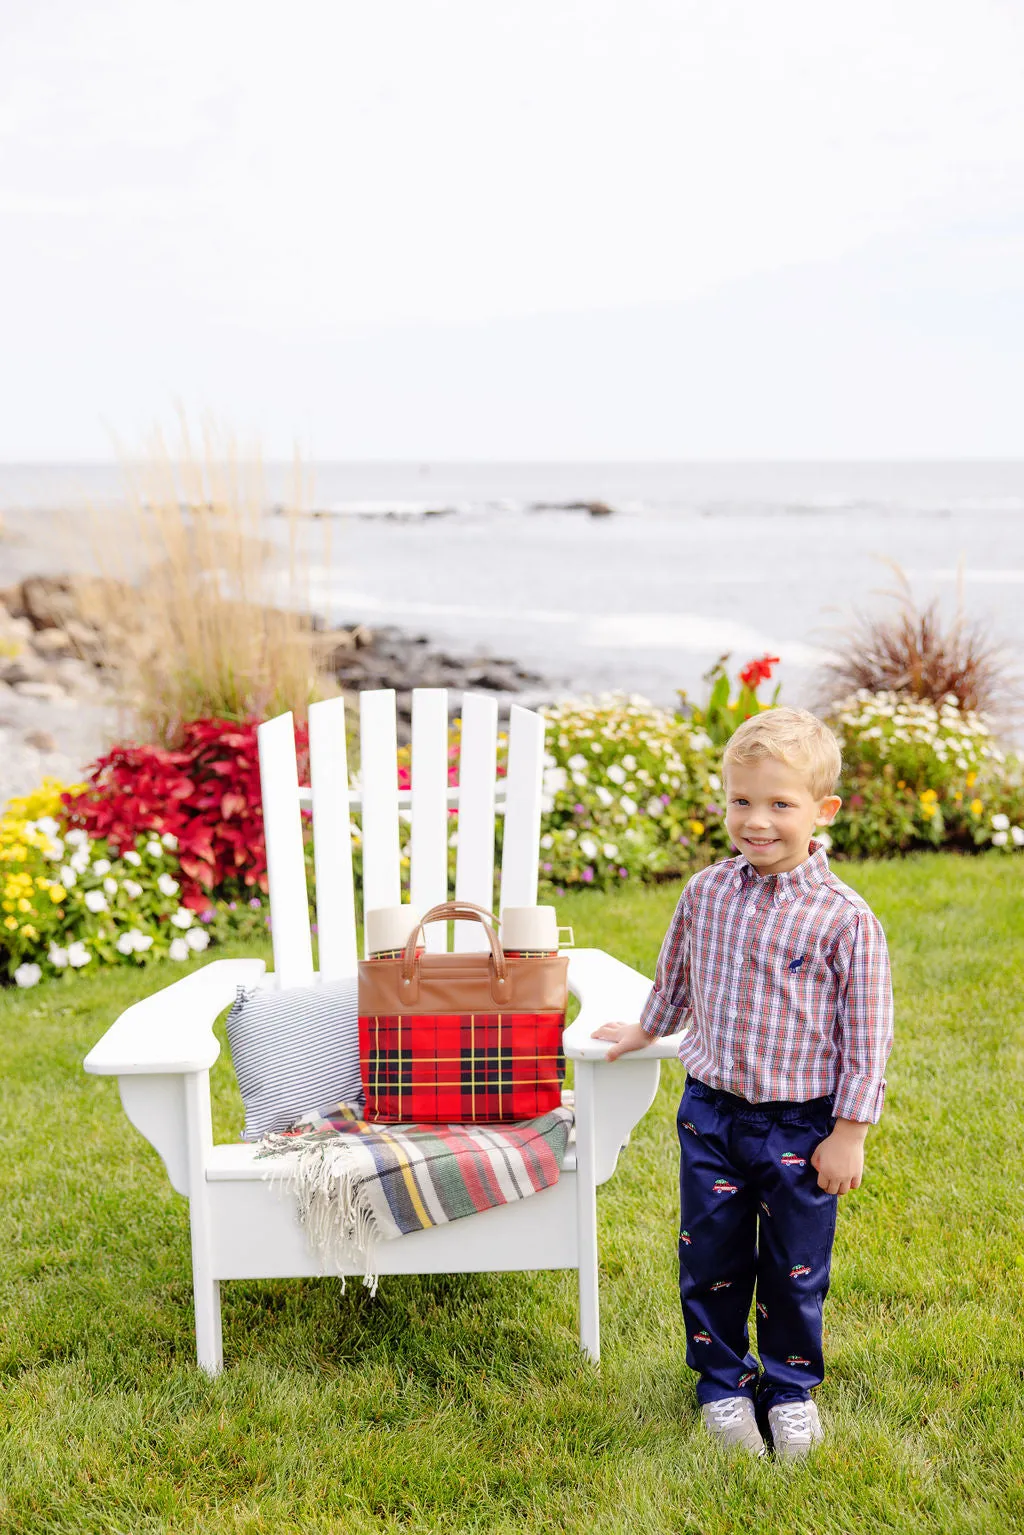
839,1158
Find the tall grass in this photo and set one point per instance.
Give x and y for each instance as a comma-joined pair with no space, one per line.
924,653
219,622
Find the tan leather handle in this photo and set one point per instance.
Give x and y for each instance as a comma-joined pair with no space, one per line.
454,911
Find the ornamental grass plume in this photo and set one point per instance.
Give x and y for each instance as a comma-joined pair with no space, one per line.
922,653
220,626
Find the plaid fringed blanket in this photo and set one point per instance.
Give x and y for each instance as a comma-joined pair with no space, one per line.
358,1184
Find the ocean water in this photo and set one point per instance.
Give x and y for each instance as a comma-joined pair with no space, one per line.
697,560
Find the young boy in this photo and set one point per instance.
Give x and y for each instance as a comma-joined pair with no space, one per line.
781,974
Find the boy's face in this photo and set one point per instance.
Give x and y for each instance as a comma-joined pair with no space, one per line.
771,813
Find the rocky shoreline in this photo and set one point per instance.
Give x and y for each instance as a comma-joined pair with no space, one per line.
60,696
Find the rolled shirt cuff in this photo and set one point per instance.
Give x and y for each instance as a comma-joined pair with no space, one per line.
859,1097
660,1016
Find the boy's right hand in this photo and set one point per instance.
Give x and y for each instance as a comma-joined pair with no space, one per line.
627,1036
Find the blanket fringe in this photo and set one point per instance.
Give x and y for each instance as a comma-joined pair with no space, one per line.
332,1206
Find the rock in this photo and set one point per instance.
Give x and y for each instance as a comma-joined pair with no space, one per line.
50,692
52,642
86,642
77,676
595,508
362,637
42,740
18,670
10,598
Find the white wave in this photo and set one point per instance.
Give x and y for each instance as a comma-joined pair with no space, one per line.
982,577
690,634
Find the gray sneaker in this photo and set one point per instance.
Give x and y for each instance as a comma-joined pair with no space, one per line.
731,1421
795,1429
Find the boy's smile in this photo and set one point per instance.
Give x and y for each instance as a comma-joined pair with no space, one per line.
771,813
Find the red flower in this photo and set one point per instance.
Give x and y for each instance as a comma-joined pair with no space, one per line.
758,671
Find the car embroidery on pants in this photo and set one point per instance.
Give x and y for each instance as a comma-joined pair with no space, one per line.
790,1159
796,1359
765,1208
721,1284
745,1380
762,1310
688,1124
684,1236
798,1269
723,1186
702,1337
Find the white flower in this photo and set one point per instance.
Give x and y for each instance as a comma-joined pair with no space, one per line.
1001,822
714,781
132,889
166,885
142,941
577,762
588,847
78,955
654,807
580,780
616,774
154,849
604,795
95,900
169,840
76,837
68,877
125,945
54,850
101,866
80,860
610,850
132,857
555,779
28,975
182,917
628,805
179,949
197,939
569,834
629,763
1017,833
547,841
110,885
58,957
999,839
48,826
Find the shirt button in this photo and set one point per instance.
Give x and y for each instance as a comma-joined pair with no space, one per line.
728,1063
734,1012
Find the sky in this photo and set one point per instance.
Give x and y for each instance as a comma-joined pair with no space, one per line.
446,229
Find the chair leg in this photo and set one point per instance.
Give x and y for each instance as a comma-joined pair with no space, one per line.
586,1211
209,1341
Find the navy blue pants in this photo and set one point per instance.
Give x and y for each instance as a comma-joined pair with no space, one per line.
753,1216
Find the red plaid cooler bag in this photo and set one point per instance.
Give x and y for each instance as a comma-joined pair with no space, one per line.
461,1038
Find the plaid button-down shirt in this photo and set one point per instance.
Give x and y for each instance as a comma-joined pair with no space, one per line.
782,984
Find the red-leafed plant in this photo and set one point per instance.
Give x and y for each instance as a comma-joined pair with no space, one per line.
206,794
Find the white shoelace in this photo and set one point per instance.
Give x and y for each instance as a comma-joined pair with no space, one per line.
796,1419
727,1411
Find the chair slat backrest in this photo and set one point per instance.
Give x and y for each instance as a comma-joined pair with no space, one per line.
520,852
286,865
332,840
378,798
378,772
428,852
474,862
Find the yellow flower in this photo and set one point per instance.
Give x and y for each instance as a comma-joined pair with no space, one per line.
696,827
971,777
10,923
976,807
900,784
8,906
24,905
927,810
928,796
28,931
958,796
57,894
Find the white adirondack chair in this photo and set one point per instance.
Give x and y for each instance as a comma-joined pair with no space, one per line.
161,1049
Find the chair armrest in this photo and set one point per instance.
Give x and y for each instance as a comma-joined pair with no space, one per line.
172,1030
609,992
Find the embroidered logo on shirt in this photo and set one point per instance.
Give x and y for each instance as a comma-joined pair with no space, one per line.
723,1186
762,1310
688,1124
796,1359
765,1208
790,1159
798,1269
684,1236
721,1284
702,1337
794,964
745,1380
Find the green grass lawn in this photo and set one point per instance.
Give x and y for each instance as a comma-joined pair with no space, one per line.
462,1404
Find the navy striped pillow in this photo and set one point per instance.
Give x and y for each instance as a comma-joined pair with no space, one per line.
294,1050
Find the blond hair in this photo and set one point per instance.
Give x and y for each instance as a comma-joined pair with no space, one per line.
795,737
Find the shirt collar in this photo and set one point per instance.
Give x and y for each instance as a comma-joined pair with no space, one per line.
785,887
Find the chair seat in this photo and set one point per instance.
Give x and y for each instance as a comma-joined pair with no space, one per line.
236,1162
